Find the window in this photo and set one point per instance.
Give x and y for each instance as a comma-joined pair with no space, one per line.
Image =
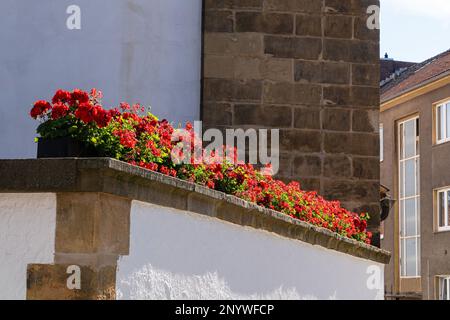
443,122
409,197
442,206
381,143
443,287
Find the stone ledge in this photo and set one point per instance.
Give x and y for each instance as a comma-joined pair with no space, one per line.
115,177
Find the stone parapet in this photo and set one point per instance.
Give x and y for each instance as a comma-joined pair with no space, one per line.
93,206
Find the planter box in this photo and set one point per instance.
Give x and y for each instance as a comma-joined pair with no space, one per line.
64,148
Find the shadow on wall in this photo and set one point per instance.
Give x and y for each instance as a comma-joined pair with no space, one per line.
149,283
179,255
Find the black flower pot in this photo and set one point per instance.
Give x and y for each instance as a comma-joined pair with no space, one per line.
64,148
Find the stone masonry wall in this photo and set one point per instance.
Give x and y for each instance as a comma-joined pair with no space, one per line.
311,69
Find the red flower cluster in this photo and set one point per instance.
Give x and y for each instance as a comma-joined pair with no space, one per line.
62,96
60,110
87,112
127,138
39,108
78,103
145,141
305,206
79,96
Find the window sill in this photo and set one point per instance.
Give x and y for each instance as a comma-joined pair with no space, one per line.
442,230
440,143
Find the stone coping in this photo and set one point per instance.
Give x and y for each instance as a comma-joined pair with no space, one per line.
115,177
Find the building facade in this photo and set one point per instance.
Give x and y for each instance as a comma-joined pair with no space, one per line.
415,126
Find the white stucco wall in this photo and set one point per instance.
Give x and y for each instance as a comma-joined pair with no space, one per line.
27,235
180,255
146,51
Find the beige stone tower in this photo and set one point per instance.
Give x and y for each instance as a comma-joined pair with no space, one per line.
311,69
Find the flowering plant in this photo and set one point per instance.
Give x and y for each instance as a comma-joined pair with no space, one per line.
129,134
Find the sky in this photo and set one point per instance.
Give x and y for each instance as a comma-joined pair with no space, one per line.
414,30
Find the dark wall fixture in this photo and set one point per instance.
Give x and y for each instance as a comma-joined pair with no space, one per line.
386,202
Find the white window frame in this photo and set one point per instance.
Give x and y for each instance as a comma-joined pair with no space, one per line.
446,106
381,143
441,280
446,227
401,198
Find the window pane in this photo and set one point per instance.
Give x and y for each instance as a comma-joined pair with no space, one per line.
402,218
418,257
441,208
402,188
410,178
447,223
417,137
411,258
417,176
443,285
402,258
381,143
447,295
401,133
447,121
418,216
410,138
410,218
440,122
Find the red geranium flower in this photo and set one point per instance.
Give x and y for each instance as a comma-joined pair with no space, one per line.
79,96
114,113
164,170
127,138
59,110
39,108
101,116
61,96
84,112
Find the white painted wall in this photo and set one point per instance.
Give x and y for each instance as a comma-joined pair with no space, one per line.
146,51
27,235
179,255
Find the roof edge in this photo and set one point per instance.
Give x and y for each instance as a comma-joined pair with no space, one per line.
411,93
412,69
